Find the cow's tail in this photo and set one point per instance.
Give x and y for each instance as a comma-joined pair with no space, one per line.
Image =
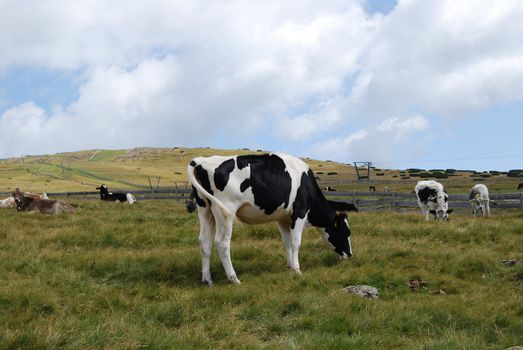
202,191
130,198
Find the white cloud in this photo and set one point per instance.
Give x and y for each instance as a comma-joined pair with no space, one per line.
191,72
379,143
448,58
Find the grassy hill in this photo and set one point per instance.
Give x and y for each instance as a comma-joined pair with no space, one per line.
130,169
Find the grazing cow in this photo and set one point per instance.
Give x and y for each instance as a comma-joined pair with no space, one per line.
433,199
330,189
44,206
479,199
372,189
7,202
105,195
520,186
257,189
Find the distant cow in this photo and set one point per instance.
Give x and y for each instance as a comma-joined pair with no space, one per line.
330,189
257,189
386,189
372,189
44,206
17,192
7,202
433,199
520,186
479,199
105,195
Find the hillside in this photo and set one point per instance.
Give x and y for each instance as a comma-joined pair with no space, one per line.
131,169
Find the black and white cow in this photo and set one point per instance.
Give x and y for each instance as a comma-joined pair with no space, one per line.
433,199
257,189
105,195
479,199
330,189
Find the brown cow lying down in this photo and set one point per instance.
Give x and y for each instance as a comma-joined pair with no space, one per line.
44,206
17,192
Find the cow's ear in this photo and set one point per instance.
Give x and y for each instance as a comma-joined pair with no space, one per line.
342,206
450,211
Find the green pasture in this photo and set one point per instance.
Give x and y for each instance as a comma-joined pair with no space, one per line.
114,276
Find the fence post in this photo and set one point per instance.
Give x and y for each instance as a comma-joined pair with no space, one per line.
354,197
394,200
521,201
177,192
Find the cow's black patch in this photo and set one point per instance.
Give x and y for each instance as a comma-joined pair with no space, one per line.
269,180
222,172
425,193
245,185
242,162
203,177
192,163
309,197
199,201
304,198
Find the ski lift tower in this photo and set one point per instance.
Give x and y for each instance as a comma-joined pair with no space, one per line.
361,174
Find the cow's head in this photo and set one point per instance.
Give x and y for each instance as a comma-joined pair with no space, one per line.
103,189
441,203
19,199
478,203
337,236
337,232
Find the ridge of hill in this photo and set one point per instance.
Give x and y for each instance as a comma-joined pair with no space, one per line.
137,168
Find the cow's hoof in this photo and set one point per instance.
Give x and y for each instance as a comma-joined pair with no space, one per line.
296,271
234,279
207,283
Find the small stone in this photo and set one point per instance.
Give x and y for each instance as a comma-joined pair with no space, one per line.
362,291
511,262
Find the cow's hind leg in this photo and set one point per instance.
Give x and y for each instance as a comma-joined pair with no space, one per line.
207,227
286,237
223,243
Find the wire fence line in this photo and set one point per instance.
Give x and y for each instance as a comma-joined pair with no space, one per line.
365,201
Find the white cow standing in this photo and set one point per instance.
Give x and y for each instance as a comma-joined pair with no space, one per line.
479,200
433,199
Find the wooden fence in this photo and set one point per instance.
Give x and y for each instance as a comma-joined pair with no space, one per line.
366,201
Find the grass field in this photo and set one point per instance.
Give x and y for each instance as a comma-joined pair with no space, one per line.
128,277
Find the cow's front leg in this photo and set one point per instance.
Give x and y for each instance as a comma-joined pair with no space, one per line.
296,233
285,231
207,228
223,244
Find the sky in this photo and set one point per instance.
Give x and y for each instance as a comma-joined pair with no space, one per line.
430,84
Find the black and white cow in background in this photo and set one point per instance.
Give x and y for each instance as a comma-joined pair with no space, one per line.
433,199
479,199
257,189
105,195
330,189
